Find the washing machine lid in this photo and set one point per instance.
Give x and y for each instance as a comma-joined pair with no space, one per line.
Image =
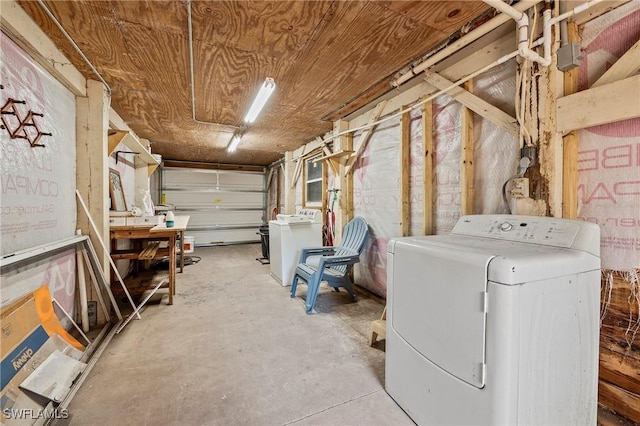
438,304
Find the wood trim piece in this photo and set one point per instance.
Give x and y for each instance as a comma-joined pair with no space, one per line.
600,105
570,143
366,135
475,104
405,168
467,178
427,178
624,67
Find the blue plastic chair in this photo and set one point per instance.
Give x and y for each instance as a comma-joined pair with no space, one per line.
334,265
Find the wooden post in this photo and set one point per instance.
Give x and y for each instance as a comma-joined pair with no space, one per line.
466,158
347,188
570,143
341,181
550,86
290,191
405,169
427,177
92,123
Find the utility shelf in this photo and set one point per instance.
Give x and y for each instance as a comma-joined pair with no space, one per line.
143,158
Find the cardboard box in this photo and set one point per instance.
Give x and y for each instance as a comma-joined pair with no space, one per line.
18,320
22,336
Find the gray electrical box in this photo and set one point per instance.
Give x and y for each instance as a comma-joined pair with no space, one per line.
569,56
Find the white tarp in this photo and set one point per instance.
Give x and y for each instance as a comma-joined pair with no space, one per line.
609,155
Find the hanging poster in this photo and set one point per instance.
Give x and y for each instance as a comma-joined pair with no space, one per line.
37,182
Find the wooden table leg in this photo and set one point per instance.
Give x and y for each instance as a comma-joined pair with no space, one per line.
172,268
181,251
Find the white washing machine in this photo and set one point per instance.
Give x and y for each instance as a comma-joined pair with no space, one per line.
496,323
287,236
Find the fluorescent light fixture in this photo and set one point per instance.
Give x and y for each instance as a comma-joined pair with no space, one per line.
265,91
233,144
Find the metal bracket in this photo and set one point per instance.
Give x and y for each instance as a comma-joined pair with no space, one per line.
124,152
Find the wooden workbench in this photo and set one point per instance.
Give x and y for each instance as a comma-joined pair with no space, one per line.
158,232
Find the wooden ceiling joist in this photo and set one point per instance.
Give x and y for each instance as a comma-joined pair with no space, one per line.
475,104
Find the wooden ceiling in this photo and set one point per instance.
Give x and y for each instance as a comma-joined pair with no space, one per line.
328,58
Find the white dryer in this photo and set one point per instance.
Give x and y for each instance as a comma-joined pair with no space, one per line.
496,323
288,235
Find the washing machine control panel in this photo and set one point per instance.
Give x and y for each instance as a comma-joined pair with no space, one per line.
537,230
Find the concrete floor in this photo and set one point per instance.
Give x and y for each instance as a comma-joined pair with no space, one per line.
235,349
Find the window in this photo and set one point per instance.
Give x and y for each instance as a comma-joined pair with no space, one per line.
313,182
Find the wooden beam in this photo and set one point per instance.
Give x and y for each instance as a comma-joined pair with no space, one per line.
327,153
405,168
601,105
290,191
475,104
625,66
427,177
341,182
279,175
347,187
366,135
467,178
570,143
297,171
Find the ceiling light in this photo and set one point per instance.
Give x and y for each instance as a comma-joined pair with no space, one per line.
233,144
264,93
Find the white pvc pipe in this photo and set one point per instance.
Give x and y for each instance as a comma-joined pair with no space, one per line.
463,41
82,289
522,21
523,27
574,11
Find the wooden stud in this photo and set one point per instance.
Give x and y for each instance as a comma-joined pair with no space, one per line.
466,158
405,166
347,188
290,191
325,173
427,178
570,143
366,135
476,104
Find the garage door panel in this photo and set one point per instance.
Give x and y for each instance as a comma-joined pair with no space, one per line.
224,206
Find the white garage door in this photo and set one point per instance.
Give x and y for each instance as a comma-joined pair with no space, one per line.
226,206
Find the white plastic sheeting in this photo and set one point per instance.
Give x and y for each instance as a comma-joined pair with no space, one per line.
495,151
38,184
376,192
609,156
377,172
